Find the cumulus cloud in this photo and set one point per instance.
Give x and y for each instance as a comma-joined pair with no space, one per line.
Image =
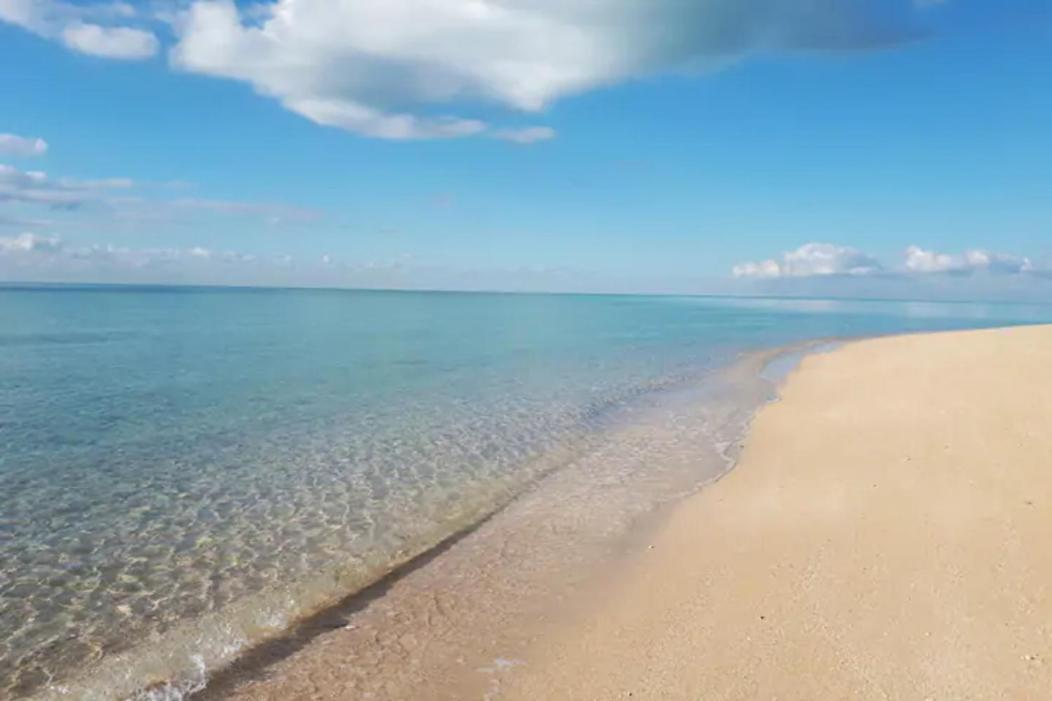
97,29
385,125
29,243
823,259
919,260
389,68
394,68
21,146
809,260
769,268
110,42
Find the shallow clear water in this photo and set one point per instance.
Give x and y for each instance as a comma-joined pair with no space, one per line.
184,471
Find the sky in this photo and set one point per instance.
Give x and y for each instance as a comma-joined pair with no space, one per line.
891,148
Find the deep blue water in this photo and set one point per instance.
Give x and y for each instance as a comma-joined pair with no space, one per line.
166,453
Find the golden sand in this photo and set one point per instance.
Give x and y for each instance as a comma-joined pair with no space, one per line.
887,534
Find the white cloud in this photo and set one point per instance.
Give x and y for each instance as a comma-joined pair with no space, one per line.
769,268
380,67
33,258
372,122
30,252
526,135
824,259
98,29
393,68
812,259
109,196
35,186
95,202
919,260
110,42
20,146
28,243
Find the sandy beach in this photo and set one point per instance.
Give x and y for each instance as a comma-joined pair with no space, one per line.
884,536
525,350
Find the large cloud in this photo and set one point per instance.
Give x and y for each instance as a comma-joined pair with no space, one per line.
391,68
809,260
394,68
98,29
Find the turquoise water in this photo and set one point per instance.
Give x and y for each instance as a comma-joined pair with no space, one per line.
187,470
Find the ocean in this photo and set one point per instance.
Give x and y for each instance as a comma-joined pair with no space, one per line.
185,472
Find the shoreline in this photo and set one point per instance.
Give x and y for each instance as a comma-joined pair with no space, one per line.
880,537
727,390
285,667
282,666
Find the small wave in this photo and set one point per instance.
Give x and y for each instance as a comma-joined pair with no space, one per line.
53,339
178,663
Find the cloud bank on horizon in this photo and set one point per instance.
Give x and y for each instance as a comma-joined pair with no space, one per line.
446,69
27,255
34,258
817,259
408,69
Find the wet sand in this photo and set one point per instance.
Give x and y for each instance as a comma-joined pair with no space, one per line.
885,535
454,623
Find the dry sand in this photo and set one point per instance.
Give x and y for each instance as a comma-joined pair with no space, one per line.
887,534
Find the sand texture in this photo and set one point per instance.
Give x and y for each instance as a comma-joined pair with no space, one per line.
887,534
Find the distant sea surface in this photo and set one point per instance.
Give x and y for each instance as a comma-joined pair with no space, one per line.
186,471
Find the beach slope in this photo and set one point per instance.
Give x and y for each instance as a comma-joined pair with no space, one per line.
885,535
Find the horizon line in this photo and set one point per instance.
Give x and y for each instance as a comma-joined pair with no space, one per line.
9,285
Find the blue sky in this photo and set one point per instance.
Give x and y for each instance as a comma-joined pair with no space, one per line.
885,147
